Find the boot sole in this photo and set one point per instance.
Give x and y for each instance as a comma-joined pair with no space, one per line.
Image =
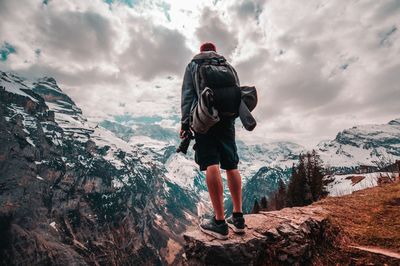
214,234
236,230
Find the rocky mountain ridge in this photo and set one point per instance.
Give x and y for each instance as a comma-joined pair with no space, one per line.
73,193
352,149
362,145
111,193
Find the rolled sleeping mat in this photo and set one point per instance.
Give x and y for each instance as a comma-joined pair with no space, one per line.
249,96
202,119
246,117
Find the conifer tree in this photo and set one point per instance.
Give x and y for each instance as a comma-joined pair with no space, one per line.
291,187
306,184
264,203
256,207
317,175
280,196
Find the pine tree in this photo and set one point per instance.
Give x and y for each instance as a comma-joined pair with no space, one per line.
306,184
305,194
264,203
291,187
256,207
317,175
280,196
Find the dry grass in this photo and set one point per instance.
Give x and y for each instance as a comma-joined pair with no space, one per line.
369,217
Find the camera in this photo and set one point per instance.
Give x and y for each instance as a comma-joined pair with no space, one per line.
184,145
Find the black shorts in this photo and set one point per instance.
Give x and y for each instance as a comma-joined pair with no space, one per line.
217,146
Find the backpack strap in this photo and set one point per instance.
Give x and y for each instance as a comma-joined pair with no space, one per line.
210,60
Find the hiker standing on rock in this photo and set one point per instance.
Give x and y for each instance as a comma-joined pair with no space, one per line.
210,104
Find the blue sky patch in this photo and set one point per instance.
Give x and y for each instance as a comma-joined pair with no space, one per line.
129,3
5,50
165,7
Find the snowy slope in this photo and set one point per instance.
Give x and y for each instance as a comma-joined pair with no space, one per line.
70,125
347,184
102,185
366,145
280,155
15,84
362,145
150,133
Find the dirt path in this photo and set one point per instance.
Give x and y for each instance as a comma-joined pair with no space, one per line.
378,250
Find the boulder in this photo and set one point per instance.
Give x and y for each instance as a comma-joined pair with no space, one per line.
290,236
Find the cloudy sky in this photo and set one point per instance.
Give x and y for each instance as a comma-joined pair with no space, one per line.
320,66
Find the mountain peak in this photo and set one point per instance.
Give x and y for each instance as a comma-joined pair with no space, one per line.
395,122
49,81
362,145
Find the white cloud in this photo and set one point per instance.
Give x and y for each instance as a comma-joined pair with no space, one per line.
320,66
324,67
213,28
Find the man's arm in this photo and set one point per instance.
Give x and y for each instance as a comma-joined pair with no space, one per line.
187,97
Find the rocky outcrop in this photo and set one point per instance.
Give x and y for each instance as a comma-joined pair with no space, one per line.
291,236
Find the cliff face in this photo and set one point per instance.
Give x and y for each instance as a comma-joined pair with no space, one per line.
74,194
286,237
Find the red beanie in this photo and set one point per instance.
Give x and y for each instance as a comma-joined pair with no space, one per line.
208,46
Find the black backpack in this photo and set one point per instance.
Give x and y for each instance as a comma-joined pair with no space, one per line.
216,74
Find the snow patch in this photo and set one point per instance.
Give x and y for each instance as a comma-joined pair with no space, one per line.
30,141
53,224
347,184
15,85
181,171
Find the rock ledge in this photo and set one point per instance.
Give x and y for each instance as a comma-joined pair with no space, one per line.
289,236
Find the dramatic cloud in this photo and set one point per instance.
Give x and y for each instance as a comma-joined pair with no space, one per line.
212,28
154,50
319,66
327,66
77,36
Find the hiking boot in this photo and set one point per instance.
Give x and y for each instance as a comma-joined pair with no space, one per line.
210,227
237,224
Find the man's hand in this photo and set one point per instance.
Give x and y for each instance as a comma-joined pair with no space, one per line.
182,134
186,136
185,132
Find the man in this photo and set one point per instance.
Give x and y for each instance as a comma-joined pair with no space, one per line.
212,149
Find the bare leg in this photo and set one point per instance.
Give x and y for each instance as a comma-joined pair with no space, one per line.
214,184
235,187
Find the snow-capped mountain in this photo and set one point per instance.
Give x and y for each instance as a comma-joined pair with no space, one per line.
76,187
82,183
352,148
279,155
252,157
362,145
263,183
182,170
359,150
